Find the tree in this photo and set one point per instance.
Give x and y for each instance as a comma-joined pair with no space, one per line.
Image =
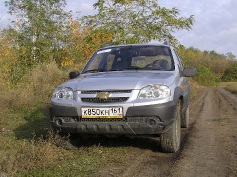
230,56
230,74
8,57
41,27
83,41
135,21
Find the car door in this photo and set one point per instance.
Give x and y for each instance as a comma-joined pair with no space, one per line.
184,84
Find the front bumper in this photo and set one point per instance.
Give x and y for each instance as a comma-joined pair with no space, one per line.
142,120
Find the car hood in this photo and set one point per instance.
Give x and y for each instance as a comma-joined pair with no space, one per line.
120,80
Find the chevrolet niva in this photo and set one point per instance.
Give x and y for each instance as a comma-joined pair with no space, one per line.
126,90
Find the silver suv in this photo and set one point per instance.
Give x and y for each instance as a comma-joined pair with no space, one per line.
126,90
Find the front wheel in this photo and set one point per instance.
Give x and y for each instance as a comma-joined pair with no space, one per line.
170,140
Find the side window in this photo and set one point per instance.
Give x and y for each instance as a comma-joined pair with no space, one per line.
181,66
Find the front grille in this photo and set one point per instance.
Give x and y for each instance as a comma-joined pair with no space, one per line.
108,91
108,100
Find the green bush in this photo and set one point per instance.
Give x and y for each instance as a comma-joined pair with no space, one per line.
37,85
230,73
206,77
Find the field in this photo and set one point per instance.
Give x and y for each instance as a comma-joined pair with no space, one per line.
29,148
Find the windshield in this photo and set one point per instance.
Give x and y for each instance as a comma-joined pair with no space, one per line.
131,58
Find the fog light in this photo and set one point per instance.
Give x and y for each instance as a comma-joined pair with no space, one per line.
67,119
152,122
59,122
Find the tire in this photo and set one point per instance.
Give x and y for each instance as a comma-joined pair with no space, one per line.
185,119
170,140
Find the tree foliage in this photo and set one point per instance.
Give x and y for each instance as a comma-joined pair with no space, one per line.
217,63
43,32
230,56
212,66
40,25
83,41
135,21
8,56
230,73
206,77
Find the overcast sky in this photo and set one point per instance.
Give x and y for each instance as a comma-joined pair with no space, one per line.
215,26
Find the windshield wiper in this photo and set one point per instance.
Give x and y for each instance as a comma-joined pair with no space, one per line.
131,68
120,69
94,70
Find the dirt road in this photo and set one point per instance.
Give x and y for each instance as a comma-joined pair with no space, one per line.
209,146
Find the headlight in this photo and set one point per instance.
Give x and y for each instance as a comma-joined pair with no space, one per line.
154,92
65,93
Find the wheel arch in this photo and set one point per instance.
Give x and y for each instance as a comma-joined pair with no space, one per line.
178,96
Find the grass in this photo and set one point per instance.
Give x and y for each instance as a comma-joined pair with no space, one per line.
230,86
27,145
29,148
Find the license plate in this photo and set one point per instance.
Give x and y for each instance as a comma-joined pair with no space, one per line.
102,113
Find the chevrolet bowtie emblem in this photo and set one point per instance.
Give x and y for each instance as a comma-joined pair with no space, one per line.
103,95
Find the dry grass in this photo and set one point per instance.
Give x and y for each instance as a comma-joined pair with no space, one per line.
44,157
23,112
36,88
4,96
38,85
30,155
230,86
28,147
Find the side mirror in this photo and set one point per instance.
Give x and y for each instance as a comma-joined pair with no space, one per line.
190,71
74,74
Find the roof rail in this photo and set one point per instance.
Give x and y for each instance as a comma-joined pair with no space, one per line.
167,41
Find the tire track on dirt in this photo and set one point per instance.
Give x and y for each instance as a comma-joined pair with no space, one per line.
155,163
208,146
196,108
229,97
211,146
